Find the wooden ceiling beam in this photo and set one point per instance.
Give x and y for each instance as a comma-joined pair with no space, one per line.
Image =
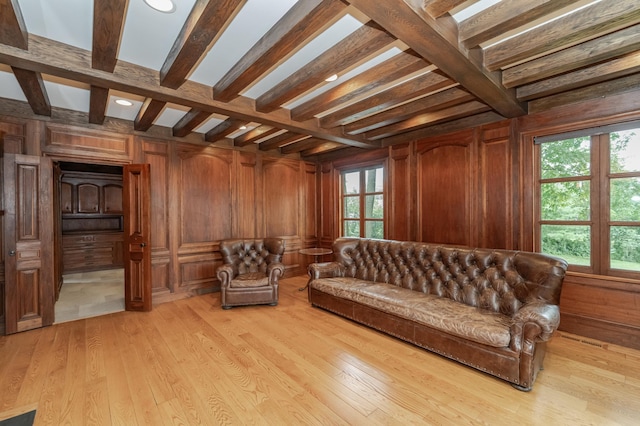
189,121
34,90
108,24
280,140
429,118
443,128
70,62
445,99
303,20
302,145
357,46
13,31
591,52
505,16
437,8
606,89
224,129
321,148
206,22
150,110
437,42
626,65
98,99
395,68
592,21
254,135
411,89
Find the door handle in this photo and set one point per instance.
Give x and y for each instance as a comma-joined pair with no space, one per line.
12,252
143,245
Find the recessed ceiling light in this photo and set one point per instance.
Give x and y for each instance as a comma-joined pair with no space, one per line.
165,6
242,127
331,78
124,102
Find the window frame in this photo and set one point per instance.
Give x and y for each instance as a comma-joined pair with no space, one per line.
361,169
599,178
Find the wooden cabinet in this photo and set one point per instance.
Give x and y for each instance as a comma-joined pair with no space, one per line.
91,201
87,252
92,220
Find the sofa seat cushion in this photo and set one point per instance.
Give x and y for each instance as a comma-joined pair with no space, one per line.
250,279
444,314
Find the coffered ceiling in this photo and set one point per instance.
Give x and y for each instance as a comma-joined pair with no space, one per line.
253,71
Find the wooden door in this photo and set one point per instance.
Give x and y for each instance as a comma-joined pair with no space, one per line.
136,199
29,250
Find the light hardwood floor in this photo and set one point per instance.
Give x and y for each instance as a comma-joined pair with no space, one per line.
190,362
90,294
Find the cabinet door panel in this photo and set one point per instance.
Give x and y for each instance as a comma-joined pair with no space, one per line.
88,198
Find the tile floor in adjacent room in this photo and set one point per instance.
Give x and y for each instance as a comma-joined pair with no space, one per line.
90,294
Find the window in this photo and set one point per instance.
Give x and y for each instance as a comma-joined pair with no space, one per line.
589,198
363,203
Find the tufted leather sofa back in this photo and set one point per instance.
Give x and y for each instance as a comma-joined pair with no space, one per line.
251,255
497,280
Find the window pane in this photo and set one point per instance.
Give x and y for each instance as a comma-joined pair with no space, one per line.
572,243
374,180
625,247
374,229
351,228
352,207
625,199
351,183
373,207
565,200
625,151
571,157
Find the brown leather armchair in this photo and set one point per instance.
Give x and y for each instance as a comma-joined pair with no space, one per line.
251,271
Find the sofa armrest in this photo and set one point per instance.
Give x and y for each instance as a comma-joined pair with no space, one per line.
275,270
325,270
534,322
225,274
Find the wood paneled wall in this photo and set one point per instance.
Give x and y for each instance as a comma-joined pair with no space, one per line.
476,187
200,194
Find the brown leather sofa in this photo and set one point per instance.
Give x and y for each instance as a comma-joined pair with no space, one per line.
493,310
251,271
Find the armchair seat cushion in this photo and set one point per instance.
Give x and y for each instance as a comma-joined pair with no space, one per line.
250,279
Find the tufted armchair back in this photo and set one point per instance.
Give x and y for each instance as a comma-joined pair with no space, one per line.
247,256
497,280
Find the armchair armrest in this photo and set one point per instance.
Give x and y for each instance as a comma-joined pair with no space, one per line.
534,322
325,270
275,270
225,274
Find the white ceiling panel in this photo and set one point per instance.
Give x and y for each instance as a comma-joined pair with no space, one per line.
259,16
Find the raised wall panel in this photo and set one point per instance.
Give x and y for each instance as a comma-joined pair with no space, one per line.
310,203
205,196
280,189
156,154
444,189
90,145
248,207
401,201
605,309
329,218
496,188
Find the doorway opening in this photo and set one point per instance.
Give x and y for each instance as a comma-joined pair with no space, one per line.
89,240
